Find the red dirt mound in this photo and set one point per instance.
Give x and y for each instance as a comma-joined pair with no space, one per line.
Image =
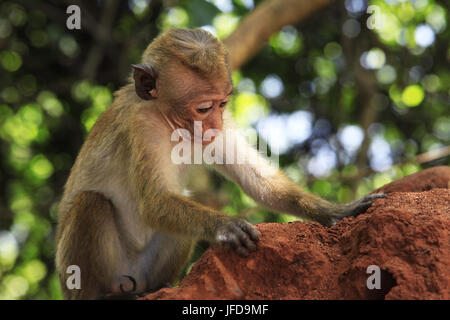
436,177
406,234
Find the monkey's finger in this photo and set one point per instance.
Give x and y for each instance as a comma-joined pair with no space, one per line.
238,248
232,240
245,240
241,251
373,197
250,230
236,245
367,201
361,205
239,240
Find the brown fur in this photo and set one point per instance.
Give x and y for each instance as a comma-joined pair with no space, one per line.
89,224
123,211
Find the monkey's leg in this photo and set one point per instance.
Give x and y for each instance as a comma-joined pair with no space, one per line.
88,238
163,259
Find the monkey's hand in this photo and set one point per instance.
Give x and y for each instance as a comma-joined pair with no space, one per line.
354,208
239,235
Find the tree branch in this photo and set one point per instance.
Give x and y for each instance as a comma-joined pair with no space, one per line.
101,37
269,17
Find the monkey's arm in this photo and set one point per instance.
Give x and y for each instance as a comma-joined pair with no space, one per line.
271,188
172,213
150,175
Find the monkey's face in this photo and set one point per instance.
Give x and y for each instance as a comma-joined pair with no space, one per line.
201,116
196,103
187,98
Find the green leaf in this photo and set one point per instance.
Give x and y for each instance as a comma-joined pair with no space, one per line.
201,12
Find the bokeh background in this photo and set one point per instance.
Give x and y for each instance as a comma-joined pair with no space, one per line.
351,108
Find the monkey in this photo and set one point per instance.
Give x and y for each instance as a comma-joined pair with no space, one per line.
123,213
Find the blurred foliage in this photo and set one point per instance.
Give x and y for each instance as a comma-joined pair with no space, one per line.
304,88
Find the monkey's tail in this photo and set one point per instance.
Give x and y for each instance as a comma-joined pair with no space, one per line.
133,281
123,294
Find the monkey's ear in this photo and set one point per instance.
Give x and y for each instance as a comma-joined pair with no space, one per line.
145,81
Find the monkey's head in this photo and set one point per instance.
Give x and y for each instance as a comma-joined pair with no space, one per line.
186,72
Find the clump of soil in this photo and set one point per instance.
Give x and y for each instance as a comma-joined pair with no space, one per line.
406,234
436,177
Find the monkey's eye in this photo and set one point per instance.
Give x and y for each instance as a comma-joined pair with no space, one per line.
223,104
204,110
204,107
